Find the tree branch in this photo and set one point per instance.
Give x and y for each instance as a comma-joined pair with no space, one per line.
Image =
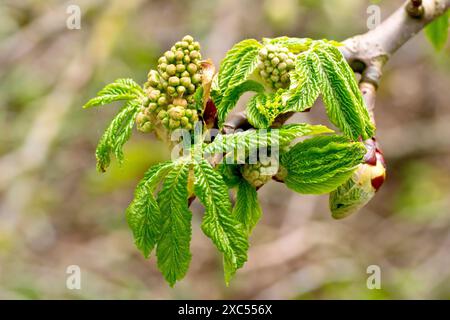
368,53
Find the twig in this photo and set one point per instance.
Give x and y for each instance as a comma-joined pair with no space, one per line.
368,53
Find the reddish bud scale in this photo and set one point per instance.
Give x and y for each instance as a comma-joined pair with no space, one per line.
210,113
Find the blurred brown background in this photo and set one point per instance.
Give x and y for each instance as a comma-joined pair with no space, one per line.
56,210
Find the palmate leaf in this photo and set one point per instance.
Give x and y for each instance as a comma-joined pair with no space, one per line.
121,89
117,133
342,99
172,250
251,140
437,31
231,97
218,222
321,164
143,214
247,209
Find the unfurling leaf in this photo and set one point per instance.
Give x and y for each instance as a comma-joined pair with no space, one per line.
264,108
115,136
229,100
172,250
255,109
218,222
247,209
321,164
295,45
304,88
121,89
238,64
250,141
341,96
143,215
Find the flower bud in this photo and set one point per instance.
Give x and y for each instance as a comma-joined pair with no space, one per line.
196,78
170,56
184,121
171,69
162,114
179,55
154,95
181,68
180,102
192,68
358,190
174,81
188,39
171,90
194,55
181,90
254,174
185,81
174,124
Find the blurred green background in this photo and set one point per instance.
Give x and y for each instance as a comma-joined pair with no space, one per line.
56,210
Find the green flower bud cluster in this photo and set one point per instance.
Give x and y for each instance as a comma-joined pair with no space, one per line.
179,68
170,89
274,65
157,101
179,115
255,175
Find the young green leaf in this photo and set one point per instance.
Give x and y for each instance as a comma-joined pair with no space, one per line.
238,64
121,89
264,108
172,250
218,222
320,164
304,88
256,115
343,101
289,132
231,174
231,97
115,136
437,31
143,215
295,45
251,140
247,209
